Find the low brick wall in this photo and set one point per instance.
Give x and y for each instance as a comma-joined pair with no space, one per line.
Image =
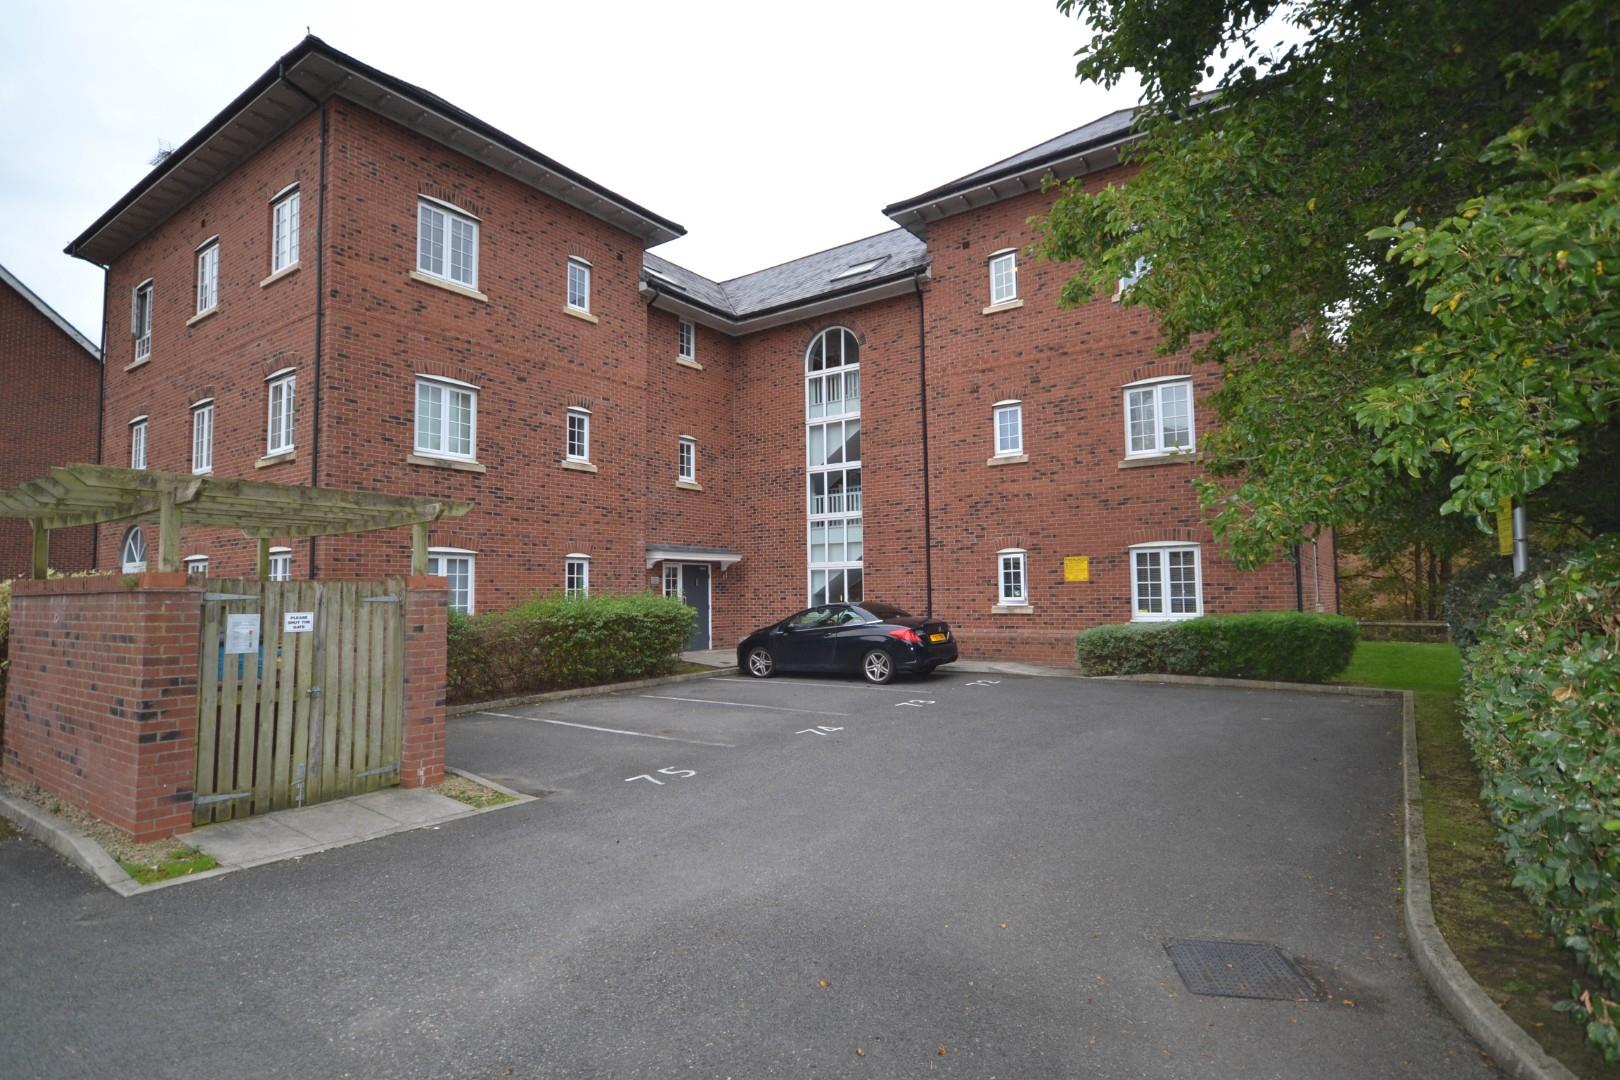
1386,630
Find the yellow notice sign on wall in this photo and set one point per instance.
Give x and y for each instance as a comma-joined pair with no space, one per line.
1077,568
1504,527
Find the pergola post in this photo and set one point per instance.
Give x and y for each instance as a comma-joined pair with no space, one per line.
263,564
419,549
42,550
168,532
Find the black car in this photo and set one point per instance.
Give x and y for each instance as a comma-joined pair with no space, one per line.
875,639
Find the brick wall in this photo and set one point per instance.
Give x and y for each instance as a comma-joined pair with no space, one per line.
101,704
47,417
421,758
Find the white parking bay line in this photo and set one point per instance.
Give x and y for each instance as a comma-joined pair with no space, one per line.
859,686
742,705
609,730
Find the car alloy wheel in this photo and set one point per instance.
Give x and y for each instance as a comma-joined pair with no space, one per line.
760,664
877,667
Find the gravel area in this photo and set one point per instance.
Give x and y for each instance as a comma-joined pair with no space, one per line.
115,840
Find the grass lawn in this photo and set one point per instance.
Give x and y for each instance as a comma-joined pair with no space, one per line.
1488,922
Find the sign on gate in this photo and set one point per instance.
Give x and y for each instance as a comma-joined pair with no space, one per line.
298,622
241,634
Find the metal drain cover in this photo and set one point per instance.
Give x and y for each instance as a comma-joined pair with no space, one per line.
1243,969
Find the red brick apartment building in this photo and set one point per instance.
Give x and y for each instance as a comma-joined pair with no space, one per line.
48,415
345,280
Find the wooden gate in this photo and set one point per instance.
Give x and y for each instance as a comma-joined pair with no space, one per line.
314,711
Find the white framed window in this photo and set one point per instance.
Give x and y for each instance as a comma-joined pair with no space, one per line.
685,339
280,564
577,575
686,460
284,229
140,318
132,553
1138,272
672,581
447,243
833,466
1012,582
279,439
1159,417
137,443
455,565
1166,582
579,284
1003,277
202,436
196,566
446,418
208,275
578,447
1009,424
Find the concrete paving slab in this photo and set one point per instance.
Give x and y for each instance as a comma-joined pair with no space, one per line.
332,822
250,841
410,806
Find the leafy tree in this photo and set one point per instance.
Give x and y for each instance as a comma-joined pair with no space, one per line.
1399,235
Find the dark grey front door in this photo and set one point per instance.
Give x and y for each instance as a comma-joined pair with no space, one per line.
695,591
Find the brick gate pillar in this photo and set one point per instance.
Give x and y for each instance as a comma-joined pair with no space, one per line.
421,760
101,703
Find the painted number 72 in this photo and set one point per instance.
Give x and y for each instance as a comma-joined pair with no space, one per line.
661,772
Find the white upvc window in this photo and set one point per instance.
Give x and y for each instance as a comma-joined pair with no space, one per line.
1003,277
672,581
1159,417
455,565
132,553
279,438
137,443
202,436
577,575
196,566
578,447
1137,273
447,243
284,229
280,564
446,418
833,464
208,275
1009,424
685,339
140,319
686,460
1166,582
579,284
1012,581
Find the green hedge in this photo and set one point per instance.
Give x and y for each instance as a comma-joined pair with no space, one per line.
557,644
1541,702
1285,646
1475,591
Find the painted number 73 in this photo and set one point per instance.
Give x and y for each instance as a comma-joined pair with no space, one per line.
683,773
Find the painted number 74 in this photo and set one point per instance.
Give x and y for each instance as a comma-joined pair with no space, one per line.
683,773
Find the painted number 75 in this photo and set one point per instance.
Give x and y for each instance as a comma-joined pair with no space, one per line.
683,773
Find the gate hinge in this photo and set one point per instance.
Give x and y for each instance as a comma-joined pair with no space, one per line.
224,796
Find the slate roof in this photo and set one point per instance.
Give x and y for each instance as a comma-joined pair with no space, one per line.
812,277
7,277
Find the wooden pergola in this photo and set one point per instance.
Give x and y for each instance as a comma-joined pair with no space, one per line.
73,495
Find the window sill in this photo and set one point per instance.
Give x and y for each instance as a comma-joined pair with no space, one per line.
444,463
201,315
449,286
286,271
1164,618
1005,305
1008,459
203,472
693,364
689,485
1012,609
578,466
142,362
578,314
276,459
1174,458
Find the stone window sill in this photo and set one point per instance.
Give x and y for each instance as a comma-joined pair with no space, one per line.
276,459
1008,459
285,271
685,362
1158,459
689,485
1012,609
578,466
142,362
449,286
443,463
1005,305
578,314
201,315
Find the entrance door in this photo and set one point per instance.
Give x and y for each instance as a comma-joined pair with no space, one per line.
695,591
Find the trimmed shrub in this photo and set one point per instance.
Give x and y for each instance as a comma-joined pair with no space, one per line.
559,643
1475,591
1541,704
1284,646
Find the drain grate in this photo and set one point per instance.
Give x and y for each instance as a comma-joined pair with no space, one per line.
1244,969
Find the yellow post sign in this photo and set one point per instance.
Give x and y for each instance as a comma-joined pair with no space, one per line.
1504,527
1077,568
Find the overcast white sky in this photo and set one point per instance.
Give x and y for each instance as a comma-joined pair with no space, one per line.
770,130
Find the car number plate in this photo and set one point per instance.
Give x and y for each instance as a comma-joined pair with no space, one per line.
936,637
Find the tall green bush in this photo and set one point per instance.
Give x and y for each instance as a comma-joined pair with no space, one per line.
1286,646
1541,701
1475,591
558,643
